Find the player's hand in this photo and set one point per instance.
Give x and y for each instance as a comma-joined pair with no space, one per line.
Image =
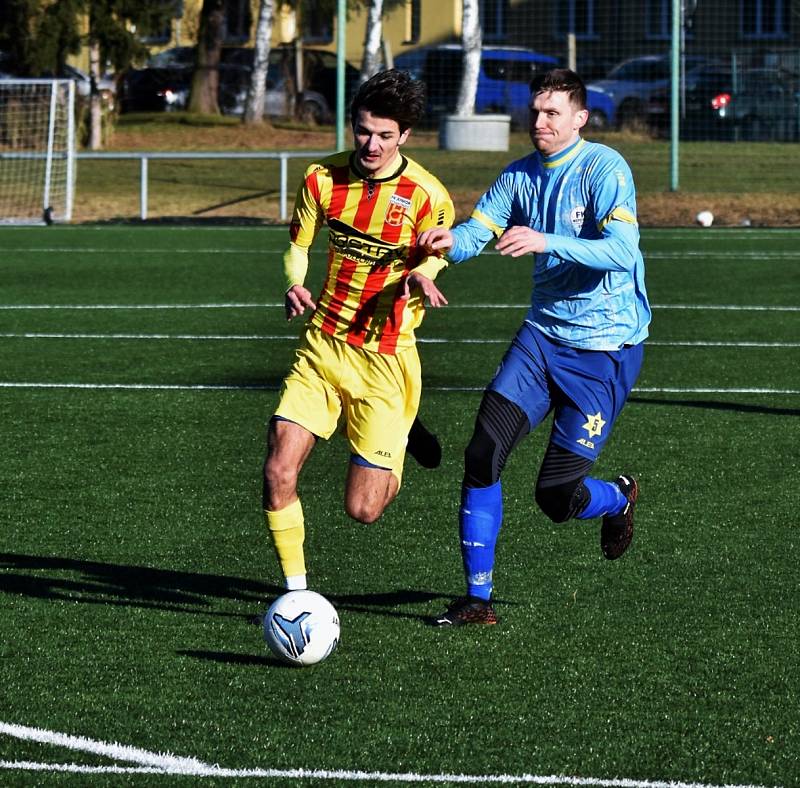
435,239
432,293
517,241
297,300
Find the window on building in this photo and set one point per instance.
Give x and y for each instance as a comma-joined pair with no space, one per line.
174,9
412,21
238,20
765,18
493,15
316,22
658,19
575,16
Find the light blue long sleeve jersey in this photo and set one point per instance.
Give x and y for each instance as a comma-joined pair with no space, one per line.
589,289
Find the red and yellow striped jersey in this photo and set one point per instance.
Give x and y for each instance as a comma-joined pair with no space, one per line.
373,226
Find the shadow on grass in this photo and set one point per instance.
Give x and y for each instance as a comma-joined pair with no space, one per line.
92,582
740,407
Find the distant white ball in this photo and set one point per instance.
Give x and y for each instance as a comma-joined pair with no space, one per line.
301,627
705,218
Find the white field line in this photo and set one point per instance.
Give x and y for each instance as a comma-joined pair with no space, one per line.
158,763
294,337
277,305
266,387
705,254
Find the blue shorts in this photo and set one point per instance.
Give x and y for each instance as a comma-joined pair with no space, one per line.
586,389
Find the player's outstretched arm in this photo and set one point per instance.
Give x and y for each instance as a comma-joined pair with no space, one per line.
297,300
434,296
435,239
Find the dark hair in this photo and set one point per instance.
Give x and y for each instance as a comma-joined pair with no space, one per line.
391,94
561,80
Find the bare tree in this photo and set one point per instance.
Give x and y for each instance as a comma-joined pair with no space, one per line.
205,81
254,108
95,102
371,60
471,45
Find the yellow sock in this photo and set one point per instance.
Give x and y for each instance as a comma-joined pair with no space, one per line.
287,529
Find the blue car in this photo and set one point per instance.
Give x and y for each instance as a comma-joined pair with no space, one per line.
503,80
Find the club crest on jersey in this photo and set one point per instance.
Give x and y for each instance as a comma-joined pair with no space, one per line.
576,217
397,209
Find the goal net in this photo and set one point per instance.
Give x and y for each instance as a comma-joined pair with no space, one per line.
37,150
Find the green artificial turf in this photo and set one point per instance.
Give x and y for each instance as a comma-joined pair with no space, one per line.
133,554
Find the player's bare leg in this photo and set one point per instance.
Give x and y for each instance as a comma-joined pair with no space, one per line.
368,492
289,447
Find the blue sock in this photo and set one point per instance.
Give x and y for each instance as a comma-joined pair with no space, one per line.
605,498
480,517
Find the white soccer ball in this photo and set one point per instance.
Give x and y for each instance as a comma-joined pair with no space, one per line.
705,218
301,627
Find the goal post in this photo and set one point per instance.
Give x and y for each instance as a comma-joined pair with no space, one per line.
37,150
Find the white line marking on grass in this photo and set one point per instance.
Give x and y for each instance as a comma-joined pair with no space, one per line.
277,305
678,255
185,337
120,752
420,340
267,387
727,307
230,305
157,763
137,251
139,386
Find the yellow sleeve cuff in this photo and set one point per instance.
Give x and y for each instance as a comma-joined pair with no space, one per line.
431,266
496,229
295,265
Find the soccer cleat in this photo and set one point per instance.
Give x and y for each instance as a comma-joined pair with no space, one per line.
467,610
616,532
424,446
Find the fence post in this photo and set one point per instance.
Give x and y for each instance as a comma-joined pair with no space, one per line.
143,189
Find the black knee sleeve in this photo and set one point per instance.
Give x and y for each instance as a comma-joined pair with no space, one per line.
562,502
560,491
499,426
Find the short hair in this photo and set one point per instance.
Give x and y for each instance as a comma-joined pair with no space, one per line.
391,94
561,80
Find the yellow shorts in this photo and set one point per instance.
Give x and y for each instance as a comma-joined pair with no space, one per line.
377,394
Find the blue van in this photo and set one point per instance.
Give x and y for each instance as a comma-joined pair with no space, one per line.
503,81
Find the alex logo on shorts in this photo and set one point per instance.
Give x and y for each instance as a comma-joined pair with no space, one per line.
594,426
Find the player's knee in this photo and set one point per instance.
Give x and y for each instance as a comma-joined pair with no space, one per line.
479,465
364,511
562,502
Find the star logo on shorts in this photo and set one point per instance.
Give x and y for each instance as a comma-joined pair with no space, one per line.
594,424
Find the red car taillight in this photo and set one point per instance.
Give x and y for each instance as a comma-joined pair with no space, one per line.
721,100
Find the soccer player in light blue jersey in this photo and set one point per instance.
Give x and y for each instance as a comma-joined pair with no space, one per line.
571,204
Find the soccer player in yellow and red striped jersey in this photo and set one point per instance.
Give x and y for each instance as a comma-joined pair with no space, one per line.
357,360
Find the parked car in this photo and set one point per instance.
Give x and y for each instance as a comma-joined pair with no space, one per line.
503,79
165,83
106,85
759,104
630,84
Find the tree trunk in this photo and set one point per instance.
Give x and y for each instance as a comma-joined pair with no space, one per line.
371,59
205,82
254,108
471,45
95,100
